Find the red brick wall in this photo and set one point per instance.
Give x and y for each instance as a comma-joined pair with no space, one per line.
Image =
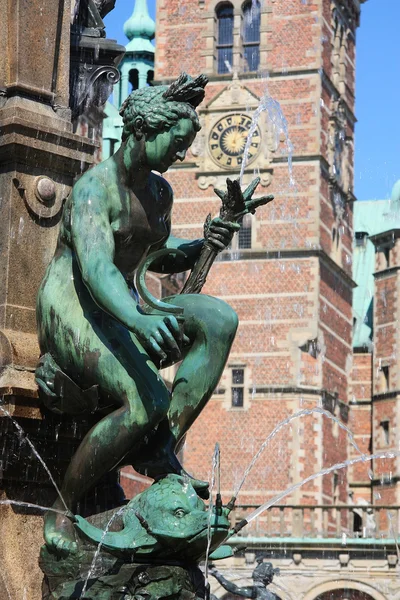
360,423
283,301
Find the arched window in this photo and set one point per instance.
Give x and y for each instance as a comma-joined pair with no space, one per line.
251,35
150,77
224,14
134,79
244,236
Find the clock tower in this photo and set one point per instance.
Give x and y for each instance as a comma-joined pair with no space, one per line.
279,105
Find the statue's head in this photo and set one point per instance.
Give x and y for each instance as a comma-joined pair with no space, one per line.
165,118
264,572
167,520
178,518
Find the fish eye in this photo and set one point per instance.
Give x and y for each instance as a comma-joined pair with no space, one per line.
179,513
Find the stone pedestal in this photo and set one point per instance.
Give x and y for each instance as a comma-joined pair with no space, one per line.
40,158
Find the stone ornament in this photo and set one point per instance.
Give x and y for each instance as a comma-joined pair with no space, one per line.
218,181
42,196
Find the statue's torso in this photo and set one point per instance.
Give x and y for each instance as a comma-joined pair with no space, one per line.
140,219
140,223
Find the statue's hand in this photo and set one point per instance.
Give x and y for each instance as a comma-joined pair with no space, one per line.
236,204
219,233
160,335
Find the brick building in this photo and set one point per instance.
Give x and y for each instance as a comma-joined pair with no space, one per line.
289,274
375,370
304,340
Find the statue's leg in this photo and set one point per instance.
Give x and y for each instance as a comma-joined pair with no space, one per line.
211,325
131,382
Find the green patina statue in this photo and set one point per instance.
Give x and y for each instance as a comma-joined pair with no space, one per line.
168,520
167,524
262,576
101,350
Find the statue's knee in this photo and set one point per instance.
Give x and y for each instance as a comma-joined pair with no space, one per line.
228,321
233,320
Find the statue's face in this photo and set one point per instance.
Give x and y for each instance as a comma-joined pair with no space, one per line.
163,149
264,573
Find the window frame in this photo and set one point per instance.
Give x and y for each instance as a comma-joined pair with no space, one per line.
237,386
253,43
222,47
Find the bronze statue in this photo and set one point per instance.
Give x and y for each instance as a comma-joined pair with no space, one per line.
262,576
101,350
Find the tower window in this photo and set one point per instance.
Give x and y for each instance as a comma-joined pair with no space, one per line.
361,238
150,77
386,254
251,35
237,387
385,433
384,379
134,79
224,15
244,235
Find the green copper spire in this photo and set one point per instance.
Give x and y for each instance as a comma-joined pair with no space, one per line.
140,29
137,71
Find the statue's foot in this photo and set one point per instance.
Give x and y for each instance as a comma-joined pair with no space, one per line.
59,533
162,464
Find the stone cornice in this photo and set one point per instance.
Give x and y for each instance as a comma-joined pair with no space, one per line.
383,235
72,150
290,254
361,350
386,395
386,272
227,77
305,391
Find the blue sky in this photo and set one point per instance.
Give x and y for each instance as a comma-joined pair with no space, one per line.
378,92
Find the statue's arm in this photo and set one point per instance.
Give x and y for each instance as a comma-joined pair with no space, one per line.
219,235
93,242
178,264
246,592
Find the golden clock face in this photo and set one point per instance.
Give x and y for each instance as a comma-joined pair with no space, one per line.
228,140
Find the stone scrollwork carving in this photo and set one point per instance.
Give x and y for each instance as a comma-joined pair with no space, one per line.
205,181
94,59
93,87
266,179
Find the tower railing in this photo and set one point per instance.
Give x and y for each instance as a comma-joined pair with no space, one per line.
341,522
